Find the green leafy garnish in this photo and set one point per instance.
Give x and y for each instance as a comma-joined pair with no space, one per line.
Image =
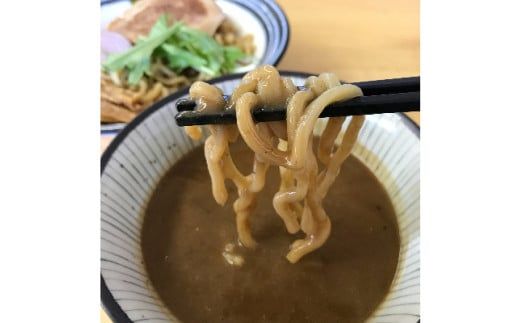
180,47
231,55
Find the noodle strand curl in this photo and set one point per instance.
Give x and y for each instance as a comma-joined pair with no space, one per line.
287,145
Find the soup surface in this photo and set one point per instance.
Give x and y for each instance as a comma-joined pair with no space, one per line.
185,232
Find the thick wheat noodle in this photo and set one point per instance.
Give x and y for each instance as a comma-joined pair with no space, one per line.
141,90
152,94
286,144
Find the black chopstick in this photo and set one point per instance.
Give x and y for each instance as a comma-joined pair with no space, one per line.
398,85
382,96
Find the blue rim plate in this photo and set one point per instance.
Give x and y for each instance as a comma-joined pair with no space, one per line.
267,16
111,306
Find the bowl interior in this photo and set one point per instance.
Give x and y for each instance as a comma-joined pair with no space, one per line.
151,144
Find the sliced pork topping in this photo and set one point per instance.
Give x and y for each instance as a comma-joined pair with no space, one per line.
137,21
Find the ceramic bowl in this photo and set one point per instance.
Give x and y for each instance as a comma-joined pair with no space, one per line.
151,144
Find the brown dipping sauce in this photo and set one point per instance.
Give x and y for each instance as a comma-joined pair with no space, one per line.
185,231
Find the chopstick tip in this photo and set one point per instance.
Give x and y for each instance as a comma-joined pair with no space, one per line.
185,105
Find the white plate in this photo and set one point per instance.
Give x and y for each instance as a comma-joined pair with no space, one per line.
264,19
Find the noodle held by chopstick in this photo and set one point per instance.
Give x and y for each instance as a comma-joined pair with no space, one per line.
288,145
